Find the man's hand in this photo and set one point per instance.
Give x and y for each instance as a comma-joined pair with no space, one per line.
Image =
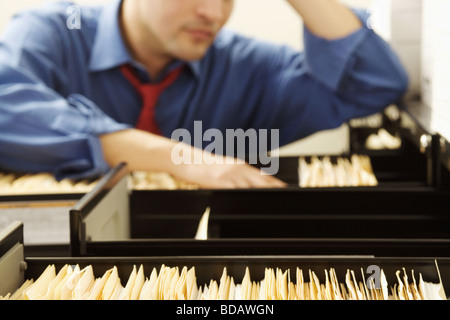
328,19
227,173
143,151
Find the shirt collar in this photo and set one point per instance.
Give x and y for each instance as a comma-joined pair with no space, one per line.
109,50
109,36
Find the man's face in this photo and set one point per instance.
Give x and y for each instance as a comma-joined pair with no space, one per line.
184,29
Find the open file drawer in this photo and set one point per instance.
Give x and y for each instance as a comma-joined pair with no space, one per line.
368,222
15,267
41,203
45,216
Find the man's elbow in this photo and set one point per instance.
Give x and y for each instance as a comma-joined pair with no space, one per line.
402,82
394,89
390,89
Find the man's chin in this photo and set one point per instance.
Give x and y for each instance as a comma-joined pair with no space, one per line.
191,56
192,52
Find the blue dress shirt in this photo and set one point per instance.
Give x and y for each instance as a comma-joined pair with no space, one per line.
60,88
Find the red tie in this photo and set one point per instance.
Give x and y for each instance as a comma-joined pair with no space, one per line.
149,94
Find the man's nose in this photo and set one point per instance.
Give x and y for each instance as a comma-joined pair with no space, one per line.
211,10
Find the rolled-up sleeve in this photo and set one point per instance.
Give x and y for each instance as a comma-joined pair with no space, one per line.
331,82
361,60
40,129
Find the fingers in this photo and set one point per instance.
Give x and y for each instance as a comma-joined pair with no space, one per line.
241,176
251,177
225,174
265,181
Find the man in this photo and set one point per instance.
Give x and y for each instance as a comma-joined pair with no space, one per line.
71,98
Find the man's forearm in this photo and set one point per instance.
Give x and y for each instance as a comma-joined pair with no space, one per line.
140,150
143,151
328,19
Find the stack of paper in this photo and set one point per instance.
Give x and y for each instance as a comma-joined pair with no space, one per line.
140,180
45,183
383,140
354,172
41,183
172,283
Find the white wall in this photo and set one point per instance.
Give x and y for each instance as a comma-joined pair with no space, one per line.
436,64
272,20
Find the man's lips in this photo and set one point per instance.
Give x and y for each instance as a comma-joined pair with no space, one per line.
200,34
